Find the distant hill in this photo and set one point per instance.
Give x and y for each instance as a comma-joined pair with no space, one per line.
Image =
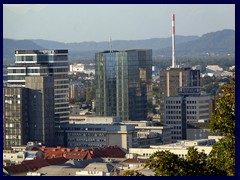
220,42
10,45
155,43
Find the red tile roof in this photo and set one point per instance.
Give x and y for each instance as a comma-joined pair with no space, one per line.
76,154
110,151
135,161
53,152
59,155
83,154
33,165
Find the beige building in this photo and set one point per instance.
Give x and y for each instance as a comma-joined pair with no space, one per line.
11,157
180,148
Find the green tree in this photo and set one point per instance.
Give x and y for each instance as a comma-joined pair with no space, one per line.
165,163
198,164
132,173
223,123
89,95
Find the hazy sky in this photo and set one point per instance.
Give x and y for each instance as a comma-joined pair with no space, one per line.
87,22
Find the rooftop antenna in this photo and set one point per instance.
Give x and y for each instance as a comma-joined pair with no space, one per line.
173,41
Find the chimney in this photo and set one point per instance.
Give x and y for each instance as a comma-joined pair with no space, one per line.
110,45
173,41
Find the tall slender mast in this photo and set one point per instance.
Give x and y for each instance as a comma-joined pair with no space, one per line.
173,41
110,44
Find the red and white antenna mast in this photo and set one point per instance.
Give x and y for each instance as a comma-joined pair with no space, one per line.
110,44
173,41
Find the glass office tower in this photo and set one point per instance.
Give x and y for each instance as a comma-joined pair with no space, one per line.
122,81
44,63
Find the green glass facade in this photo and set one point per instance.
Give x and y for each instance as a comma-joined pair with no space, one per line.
122,82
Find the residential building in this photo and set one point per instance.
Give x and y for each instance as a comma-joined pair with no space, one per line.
13,158
123,83
98,169
44,63
77,92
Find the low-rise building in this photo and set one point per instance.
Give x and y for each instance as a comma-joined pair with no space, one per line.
180,148
110,131
213,68
99,169
151,133
12,157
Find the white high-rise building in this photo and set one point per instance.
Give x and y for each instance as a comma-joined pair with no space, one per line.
44,63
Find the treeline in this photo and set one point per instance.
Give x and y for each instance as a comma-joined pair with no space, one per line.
222,61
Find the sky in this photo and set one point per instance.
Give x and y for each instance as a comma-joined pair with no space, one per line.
71,23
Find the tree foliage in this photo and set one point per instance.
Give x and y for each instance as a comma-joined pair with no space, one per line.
132,173
223,122
223,117
165,163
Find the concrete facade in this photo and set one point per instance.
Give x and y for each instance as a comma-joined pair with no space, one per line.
41,109
15,117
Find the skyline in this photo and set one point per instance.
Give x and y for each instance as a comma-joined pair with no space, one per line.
84,22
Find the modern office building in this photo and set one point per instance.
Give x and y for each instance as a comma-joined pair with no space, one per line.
44,63
90,131
172,79
41,109
97,132
29,112
189,107
175,116
15,116
123,83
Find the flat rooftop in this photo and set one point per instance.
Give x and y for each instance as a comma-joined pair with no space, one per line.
59,51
